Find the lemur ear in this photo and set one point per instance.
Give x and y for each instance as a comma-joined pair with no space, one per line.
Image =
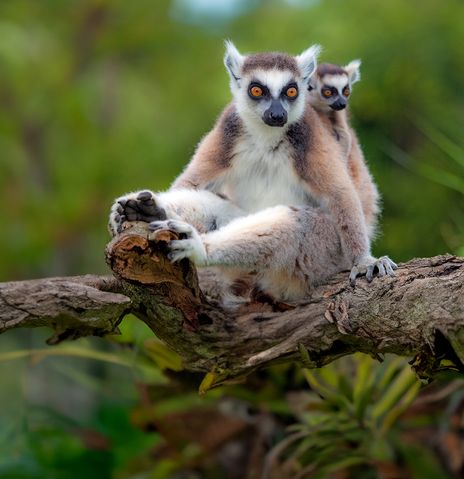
307,61
233,61
312,83
352,69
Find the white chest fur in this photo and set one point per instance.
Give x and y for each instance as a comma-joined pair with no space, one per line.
262,176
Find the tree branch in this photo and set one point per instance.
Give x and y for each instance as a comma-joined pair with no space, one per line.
420,312
74,306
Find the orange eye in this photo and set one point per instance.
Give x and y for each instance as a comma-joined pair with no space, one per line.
256,91
291,92
327,93
346,91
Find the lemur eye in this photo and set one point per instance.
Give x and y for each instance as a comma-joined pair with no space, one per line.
256,91
291,92
327,93
346,91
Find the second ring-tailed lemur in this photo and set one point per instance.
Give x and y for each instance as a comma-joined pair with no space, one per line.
291,213
330,88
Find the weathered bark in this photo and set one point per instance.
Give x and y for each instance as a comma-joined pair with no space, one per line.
420,312
73,307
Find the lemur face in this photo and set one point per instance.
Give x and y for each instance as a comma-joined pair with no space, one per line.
271,95
332,91
331,85
270,88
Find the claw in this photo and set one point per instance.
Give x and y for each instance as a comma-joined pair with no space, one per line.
390,269
354,273
384,266
180,227
157,225
370,272
381,269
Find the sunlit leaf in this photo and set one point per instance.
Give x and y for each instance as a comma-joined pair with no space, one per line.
402,383
165,357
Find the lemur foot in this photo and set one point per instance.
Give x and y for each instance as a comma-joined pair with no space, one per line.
384,265
140,206
191,246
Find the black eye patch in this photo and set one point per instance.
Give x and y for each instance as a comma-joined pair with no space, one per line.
257,91
332,89
329,92
290,91
346,91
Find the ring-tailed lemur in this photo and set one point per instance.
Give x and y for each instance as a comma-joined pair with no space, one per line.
330,88
291,214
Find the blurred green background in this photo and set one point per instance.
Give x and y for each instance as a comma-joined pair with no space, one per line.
101,97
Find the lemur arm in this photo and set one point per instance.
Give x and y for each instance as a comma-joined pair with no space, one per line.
363,261
343,204
364,184
205,166
213,155
326,175
334,185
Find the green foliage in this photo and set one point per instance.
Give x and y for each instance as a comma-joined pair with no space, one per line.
444,167
54,447
351,422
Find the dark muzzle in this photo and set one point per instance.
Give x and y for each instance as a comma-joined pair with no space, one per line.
338,105
275,115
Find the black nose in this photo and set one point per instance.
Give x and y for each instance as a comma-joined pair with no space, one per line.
276,119
338,105
275,115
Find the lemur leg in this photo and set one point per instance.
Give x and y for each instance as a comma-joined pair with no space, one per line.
290,248
203,209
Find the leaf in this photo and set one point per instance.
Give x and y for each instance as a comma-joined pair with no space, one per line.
396,412
207,382
387,370
329,394
133,331
393,394
75,351
363,385
345,387
165,357
345,463
148,370
331,373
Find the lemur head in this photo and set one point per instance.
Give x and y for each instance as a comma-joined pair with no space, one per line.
270,89
330,86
